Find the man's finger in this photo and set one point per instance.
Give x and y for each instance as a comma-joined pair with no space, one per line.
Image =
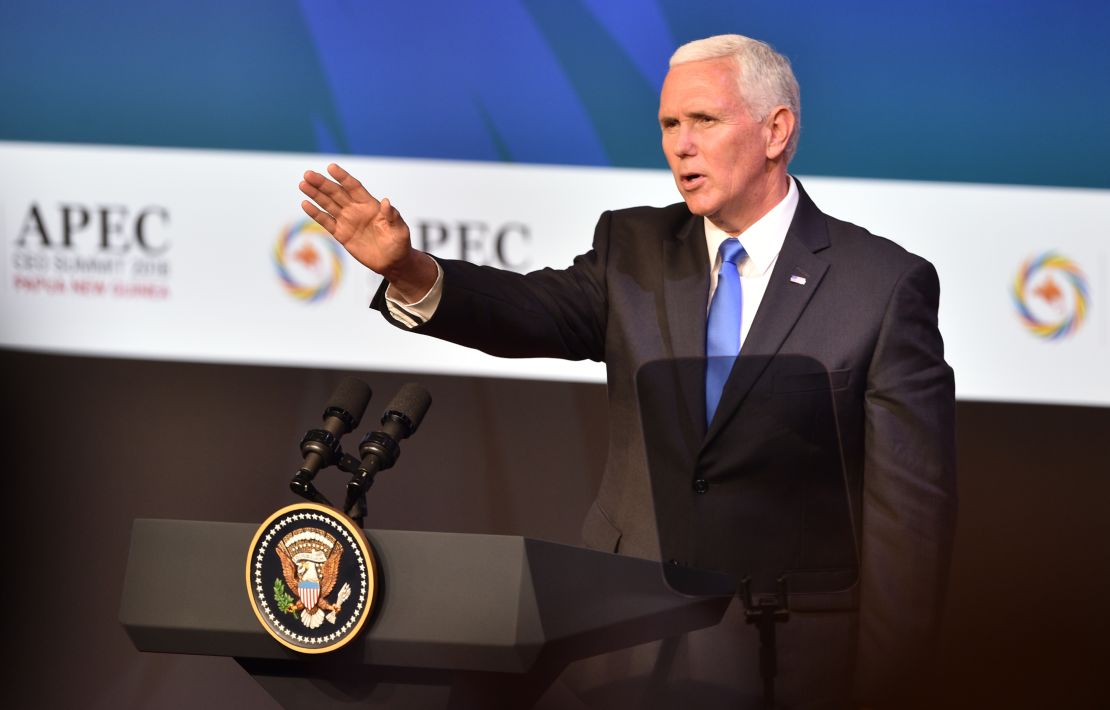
320,198
349,183
314,178
326,186
335,191
392,214
322,218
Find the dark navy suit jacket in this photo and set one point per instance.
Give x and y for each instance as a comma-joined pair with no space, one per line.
862,312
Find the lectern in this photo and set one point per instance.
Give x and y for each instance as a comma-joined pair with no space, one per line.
463,621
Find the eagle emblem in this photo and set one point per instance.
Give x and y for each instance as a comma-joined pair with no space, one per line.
310,565
312,578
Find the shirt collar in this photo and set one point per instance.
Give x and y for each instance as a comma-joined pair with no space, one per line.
763,240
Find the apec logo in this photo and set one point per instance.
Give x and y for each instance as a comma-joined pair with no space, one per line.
1051,296
309,263
93,250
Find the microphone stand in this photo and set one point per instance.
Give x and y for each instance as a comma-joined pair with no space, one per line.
764,614
379,449
355,506
302,482
357,512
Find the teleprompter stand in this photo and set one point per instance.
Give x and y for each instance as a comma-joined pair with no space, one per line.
760,492
764,611
464,621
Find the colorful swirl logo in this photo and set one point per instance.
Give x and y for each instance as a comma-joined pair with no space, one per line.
309,262
1050,293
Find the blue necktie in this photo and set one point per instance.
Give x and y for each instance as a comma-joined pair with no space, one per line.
722,332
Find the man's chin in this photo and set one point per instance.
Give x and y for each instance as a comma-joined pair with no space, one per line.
697,207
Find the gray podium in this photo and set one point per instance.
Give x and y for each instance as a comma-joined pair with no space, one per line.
463,621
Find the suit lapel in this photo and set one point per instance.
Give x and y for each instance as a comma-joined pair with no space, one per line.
686,288
782,305
686,293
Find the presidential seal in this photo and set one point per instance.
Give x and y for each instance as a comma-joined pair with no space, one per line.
311,578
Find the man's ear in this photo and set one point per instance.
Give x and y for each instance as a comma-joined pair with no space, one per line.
780,127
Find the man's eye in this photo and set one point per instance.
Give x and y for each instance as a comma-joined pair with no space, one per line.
706,120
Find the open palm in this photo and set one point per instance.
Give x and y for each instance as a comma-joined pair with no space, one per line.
371,230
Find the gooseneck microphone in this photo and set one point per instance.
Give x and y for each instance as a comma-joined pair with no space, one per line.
320,447
380,449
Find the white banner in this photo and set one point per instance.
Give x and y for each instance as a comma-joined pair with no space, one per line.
206,256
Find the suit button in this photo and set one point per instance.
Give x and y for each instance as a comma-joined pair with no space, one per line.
701,485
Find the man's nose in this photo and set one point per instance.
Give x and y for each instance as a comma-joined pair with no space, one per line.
684,144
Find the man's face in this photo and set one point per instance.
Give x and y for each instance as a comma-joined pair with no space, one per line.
716,150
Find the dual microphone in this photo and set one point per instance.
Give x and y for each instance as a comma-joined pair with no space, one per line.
379,449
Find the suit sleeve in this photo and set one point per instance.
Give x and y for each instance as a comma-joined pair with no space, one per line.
546,313
909,496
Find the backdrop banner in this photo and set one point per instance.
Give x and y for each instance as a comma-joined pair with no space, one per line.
201,255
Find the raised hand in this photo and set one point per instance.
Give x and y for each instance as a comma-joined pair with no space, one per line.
372,231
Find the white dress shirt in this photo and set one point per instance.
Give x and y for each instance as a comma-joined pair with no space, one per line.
762,241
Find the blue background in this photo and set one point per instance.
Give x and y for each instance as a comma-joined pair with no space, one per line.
978,91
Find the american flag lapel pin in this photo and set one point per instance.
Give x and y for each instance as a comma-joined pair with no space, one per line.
798,279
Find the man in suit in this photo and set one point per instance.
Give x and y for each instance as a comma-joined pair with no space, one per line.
813,304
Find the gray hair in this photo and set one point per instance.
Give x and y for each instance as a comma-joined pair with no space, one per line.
764,76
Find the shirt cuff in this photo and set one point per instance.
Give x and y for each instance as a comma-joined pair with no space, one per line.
413,314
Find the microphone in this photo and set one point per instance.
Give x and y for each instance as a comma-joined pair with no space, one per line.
320,447
381,449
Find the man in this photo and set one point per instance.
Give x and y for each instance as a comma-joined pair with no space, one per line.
747,242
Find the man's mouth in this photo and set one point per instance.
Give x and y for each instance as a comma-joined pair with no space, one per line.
691,181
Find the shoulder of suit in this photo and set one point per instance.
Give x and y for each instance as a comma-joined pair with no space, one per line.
851,240
670,215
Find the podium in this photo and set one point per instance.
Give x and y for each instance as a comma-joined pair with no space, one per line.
462,620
